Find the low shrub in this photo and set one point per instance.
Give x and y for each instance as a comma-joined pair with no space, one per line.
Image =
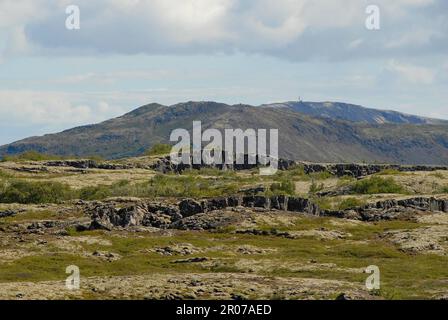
314,188
31,156
38,156
159,149
320,175
285,187
295,173
18,191
324,203
376,185
438,175
386,172
350,203
162,186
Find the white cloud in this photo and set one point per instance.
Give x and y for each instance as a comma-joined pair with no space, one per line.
114,77
51,108
18,12
414,37
57,110
355,43
411,73
17,43
445,65
202,26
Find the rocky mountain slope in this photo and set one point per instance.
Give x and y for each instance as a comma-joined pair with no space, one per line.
302,137
352,112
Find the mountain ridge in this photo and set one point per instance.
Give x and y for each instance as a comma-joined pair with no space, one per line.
353,112
302,136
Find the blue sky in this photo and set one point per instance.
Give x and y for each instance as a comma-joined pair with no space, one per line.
129,53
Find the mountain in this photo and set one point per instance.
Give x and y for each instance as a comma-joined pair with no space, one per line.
301,137
352,112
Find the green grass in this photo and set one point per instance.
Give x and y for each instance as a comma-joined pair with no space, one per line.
25,191
315,187
38,156
32,216
213,172
21,191
336,203
320,175
389,172
376,184
297,173
31,156
324,203
4,175
345,180
284,187
437,175
165,186
350,203
402,275
159,149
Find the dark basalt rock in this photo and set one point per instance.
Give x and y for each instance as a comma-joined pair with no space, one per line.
207,221
362,170
153,214
157,220
7,213
193,214
189,207
98,225
262,202
165,165
253,190
216,204
87,164
302,205
419,203
279,202
248,201
234,201
351,169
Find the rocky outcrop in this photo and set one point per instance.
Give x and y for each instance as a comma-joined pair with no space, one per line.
189,207
344,169
165,165
87,164
390,209
31,169
253,190
419,203
208,221
160,215
362,170
7,213
303,205
107,216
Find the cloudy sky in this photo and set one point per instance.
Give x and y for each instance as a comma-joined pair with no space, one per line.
131,52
